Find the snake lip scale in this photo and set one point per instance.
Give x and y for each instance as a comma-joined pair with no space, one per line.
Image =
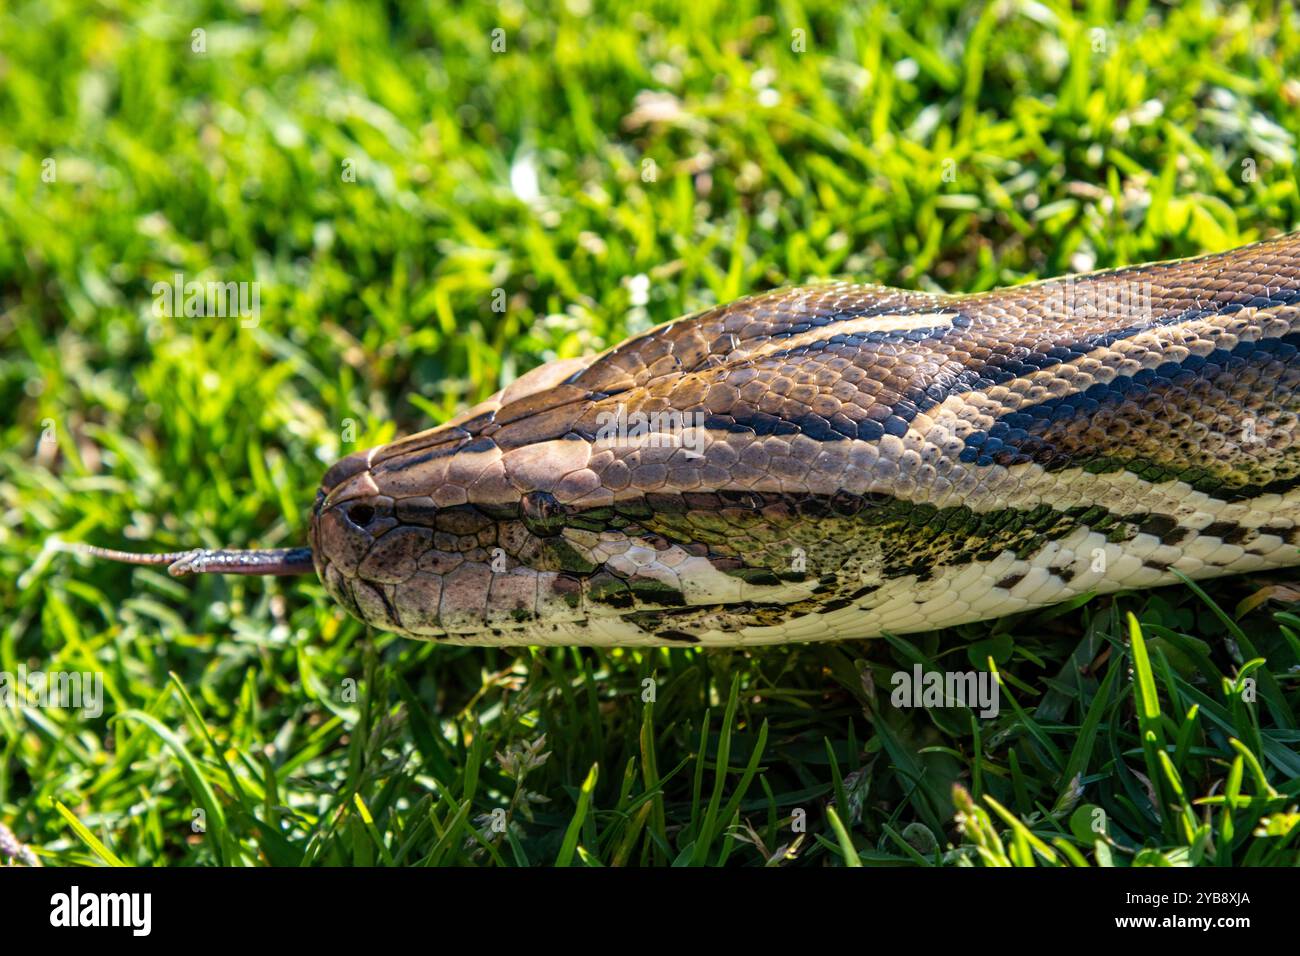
838,461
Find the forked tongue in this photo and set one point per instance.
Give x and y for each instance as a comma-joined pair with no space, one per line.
280,561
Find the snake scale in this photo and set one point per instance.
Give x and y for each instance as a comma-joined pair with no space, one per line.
839,461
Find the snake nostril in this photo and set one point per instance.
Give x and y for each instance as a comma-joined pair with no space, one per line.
361,515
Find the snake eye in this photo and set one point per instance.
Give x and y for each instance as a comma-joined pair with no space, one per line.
543,515
361,515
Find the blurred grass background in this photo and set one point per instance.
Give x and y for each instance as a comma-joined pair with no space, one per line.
388,172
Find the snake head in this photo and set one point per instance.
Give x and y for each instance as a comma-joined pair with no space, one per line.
437,537
568,509
683,487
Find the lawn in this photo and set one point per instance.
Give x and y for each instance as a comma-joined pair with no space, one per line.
433,199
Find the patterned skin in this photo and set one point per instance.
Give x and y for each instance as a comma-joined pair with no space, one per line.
842,460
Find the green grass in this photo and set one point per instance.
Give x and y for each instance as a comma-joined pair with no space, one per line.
938,147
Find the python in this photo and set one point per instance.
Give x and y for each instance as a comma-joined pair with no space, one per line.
869,461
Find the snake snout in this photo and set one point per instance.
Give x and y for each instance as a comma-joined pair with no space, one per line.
433,566
344,532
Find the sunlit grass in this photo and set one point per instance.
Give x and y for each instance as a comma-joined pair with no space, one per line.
428,218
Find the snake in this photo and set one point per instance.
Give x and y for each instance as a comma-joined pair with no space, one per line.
835,461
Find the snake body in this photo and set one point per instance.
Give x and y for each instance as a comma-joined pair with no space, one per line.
841,461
